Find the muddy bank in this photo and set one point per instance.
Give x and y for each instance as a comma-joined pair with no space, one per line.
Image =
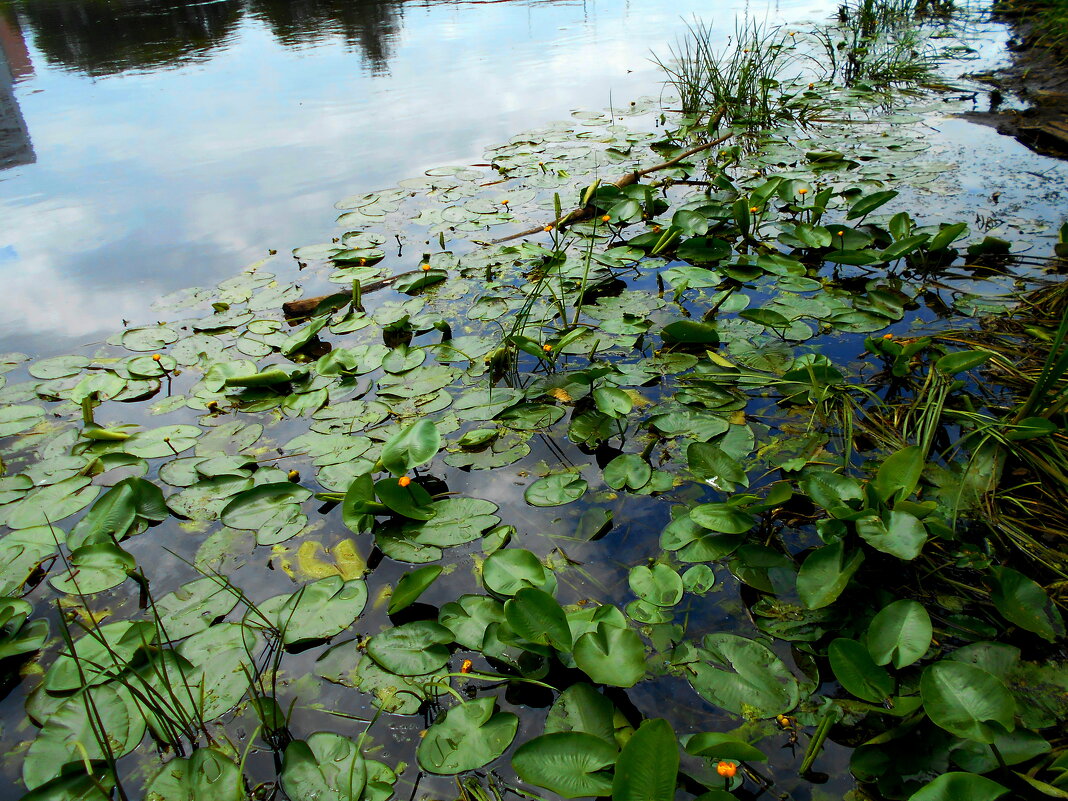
1038,76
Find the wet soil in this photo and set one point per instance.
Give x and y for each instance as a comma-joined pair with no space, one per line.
1038,78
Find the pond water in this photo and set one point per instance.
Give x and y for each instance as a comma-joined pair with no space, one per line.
150,146
153,148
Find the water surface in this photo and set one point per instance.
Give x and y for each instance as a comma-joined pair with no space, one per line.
149,146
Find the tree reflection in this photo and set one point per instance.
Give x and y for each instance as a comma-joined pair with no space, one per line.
101,37
369,25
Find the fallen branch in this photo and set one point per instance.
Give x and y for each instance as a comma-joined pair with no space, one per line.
305,307
585,212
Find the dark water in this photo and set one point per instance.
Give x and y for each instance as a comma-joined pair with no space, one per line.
149,146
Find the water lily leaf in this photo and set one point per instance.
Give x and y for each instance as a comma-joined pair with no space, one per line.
536,616
1014,747
194,607
58,367
825,574
219,664
403,549
900,633
613,401
869,203
485,404
102,653
16,419
408,499
117,510
501,450
17,636
648,766
965,700
230,437
857,673
413,446
1023,602
95,568
73,786
581,708
962,360
466,737
402,358
703,250
21,551
743,676
206,499
327,766
723,518
571,764
346,664
207,775
151,338
627,470
946,236
657,584
411,585
556,489
957,786
412,649
67,735
53,503
508,571
317,610
611,655
163,441
264,505
699,579
711,463
468,618
900,534
690,332
720,745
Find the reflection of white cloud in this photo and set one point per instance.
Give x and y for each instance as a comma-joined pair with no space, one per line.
158,180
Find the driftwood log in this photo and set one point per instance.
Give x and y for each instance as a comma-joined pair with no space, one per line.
305,307
586,212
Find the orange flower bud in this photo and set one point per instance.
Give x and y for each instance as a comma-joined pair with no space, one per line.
888,336
504,202
424,267
753,209
802,191
156,357
726,769
547,348
466,666
547,228
606,218
404,481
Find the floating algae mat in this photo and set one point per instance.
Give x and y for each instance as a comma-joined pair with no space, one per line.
735,481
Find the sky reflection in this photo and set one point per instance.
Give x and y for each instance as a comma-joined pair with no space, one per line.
172,143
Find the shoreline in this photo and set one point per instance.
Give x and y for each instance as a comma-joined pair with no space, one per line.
1038,76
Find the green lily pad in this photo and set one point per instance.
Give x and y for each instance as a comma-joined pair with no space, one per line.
466,737
556,489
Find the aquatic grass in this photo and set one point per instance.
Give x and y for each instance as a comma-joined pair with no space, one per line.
888,56
1048,20
745,78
